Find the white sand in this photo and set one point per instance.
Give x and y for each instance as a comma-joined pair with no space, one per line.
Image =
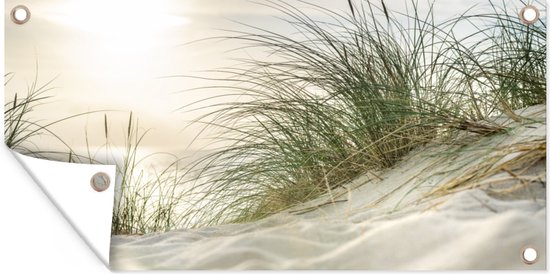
382,223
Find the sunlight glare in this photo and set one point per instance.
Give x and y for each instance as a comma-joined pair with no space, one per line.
132,23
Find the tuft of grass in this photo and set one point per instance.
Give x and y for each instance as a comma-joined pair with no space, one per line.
22,128
275,199
19,127
525,156
145,200
356,93
506,65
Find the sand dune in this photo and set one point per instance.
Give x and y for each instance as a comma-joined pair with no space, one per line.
431,211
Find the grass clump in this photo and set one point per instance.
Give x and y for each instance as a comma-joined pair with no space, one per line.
525,155
357,92
144,201
22,128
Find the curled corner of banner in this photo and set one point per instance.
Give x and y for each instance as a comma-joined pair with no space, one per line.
84,194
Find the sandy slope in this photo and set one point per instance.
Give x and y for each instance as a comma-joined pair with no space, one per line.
395,219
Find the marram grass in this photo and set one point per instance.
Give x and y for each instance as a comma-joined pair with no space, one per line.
142,203
334,100
357,93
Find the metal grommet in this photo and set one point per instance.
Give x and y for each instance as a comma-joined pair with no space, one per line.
100,181
529,14
529,255
20,14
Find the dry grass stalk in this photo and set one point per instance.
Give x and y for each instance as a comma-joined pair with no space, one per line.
525,155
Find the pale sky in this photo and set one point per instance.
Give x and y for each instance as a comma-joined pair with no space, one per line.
115,54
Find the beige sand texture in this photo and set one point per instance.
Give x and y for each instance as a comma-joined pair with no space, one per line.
475,204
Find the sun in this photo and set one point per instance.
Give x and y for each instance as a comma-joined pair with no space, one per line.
128,24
